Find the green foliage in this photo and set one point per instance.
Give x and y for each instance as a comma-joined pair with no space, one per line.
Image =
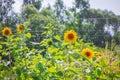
81,4
57,60
117,37
37,3
28,10
42,25
5,9
59,11
7,16
39,52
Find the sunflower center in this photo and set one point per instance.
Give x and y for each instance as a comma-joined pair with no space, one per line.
7,32
87,53
70,36
21,28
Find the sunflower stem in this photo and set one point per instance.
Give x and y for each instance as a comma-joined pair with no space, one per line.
9,55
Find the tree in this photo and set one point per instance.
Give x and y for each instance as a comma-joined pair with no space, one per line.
91,23
100,20
81,5
37,25
7,16
5,10
60,10
28,10
36,3
116,39
80,9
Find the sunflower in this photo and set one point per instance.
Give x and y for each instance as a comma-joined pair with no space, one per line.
6,31
88,53
70,36
99,54
20,27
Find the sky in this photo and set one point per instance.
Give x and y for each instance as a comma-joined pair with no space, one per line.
110,5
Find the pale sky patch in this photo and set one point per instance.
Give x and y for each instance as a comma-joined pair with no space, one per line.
110,5
46,2
17,6
68,3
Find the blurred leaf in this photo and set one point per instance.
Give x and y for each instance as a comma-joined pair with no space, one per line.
72,70
18,72
17,39
57,37
51,69
0,46
98,72
22,76
40,67
35,77
60,73
28,35
4,43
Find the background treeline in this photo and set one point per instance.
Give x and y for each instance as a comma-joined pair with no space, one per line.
95,26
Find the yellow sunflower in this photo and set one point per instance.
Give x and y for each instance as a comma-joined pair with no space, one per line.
20,27
88,53
6,31
70,36
99,54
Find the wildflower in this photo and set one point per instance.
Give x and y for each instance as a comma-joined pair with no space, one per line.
88,53
70,36
20,27
7,63
6,31
87,70
71,52
98,59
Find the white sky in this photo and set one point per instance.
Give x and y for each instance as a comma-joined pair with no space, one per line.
111,5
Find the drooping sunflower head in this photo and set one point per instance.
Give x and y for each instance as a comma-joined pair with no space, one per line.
6,31
99,54
70,36
88,53
20,28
